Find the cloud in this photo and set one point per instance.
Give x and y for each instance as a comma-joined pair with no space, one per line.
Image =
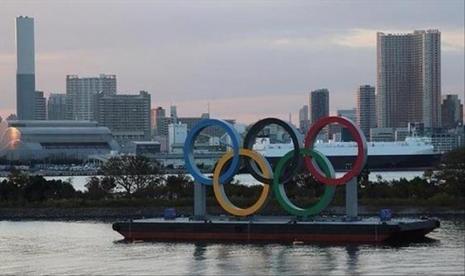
356,38
6,58
452,40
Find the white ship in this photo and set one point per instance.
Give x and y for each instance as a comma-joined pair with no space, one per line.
413,153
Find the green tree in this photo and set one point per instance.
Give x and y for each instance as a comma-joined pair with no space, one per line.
9,191
100,188
38,188
132,174
451,173
178,186
18,178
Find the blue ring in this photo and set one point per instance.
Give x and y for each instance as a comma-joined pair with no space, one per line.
189,151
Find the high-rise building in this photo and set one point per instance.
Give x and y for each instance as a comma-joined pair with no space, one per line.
174,113
25,71
155,114
40,106
350,114
81,94
153,118
127,116
304,122
56,107
341,133
409,79
319,107
452,111
366,109
319,104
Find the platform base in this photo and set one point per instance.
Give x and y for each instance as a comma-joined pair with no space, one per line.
274,230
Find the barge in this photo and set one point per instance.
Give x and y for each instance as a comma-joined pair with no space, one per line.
275,230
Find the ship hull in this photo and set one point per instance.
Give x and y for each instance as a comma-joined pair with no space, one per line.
382,162
273,231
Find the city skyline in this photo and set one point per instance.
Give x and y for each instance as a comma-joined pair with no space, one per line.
280,65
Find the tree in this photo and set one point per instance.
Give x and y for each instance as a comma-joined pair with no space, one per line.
132,174
40,189
18,178
100,188
178,186
8,191
451,172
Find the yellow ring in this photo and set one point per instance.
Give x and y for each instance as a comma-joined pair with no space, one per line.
220,194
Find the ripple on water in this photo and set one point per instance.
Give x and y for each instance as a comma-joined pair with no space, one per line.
45,247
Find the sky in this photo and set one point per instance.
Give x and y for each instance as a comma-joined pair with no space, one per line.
245,59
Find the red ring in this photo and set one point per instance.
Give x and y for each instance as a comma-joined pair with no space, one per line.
356,133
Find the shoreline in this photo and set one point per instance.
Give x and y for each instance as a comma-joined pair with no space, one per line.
125,213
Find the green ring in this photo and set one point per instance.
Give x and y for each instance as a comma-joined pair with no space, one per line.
281,195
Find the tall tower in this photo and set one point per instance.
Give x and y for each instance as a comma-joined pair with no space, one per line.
319,107
319,104
409,78
452,111
56,107
25,71
366,108
304,122
431,77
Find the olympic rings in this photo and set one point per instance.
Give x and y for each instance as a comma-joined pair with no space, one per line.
189,150
356,133
316,163
249,140
278,188
220,194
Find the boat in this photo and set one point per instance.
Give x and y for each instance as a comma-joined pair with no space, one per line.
275,230
415,153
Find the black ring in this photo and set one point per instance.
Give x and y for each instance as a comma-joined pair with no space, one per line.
249,141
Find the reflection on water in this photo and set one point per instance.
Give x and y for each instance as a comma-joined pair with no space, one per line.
42,247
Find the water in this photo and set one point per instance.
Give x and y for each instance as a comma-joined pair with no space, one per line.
46,247
80,181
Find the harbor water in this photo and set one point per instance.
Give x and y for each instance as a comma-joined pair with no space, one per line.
60,247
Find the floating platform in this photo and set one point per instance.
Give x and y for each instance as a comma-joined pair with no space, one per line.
275,230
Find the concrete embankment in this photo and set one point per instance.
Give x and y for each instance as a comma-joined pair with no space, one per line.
115,213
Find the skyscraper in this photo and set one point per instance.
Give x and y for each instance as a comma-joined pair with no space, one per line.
319,104
174,113
350,114
366,109
81,94
452,111
409,78
56,107
156,115
304,122
40,106
25,71
342,132
127,116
